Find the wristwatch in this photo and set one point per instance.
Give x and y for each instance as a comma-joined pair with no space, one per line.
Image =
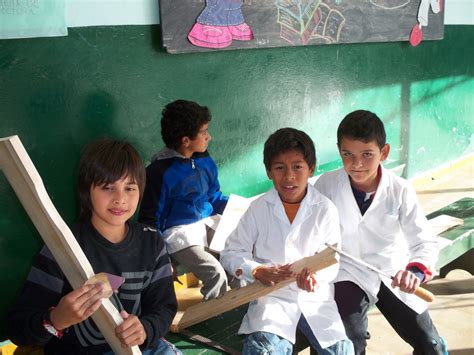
48,325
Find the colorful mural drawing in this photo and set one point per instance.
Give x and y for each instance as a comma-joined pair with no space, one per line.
416,35
305,21
390,4
219,24
208,25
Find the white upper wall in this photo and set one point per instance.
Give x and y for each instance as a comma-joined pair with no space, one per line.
81,13
459,12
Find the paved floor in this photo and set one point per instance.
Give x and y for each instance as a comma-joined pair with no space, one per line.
452,312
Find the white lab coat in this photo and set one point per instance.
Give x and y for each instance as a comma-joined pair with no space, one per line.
265,236
186,235
392,233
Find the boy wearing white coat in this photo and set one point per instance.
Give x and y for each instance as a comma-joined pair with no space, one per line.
289,222
382,224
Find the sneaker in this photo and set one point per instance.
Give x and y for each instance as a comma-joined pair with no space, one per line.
241,32
210,36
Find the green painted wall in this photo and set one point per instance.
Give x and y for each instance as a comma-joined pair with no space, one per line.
59,93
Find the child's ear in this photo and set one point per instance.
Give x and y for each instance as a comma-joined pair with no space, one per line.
311,170
385,150
185,141
269,174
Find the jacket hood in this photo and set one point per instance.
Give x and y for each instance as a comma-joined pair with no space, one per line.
167,153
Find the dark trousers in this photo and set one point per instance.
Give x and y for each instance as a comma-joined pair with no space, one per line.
416,329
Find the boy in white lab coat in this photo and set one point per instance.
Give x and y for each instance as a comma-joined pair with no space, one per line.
382,224
289,222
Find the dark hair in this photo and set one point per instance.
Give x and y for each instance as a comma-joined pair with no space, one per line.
286,139
364,126
103,162
180,119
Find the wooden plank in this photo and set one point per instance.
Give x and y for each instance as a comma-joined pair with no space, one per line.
209,342
28,186
444,222
237,297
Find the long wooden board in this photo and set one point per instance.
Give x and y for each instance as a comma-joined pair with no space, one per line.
28,186
236,297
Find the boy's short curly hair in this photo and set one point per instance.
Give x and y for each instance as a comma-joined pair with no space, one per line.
105,161
364,126
286,139
182,118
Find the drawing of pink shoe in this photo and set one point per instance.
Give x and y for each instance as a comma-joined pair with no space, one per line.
210,36
241,32
416,35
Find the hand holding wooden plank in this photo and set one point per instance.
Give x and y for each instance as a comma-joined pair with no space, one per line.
237,297
25,180
420,291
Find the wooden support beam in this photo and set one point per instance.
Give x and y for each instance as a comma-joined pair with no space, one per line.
25,180
236,297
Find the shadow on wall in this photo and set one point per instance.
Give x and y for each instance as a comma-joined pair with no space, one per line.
97,116
57,168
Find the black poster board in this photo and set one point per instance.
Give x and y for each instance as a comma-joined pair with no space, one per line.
278,23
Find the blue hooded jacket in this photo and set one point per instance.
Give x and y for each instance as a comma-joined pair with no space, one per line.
180,190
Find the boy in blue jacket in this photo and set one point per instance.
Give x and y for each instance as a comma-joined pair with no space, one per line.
182,190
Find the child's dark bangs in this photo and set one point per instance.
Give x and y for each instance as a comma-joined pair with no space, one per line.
115,165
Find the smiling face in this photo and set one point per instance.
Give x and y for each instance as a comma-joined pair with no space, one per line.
290,173
112,205
361,162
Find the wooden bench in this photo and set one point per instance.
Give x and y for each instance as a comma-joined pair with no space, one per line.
456,243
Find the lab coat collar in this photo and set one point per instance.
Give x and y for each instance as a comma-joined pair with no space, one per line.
382,190
304,211
380,194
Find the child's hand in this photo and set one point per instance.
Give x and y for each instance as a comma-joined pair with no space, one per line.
406,280
307,280
77,306
131,331
271,275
